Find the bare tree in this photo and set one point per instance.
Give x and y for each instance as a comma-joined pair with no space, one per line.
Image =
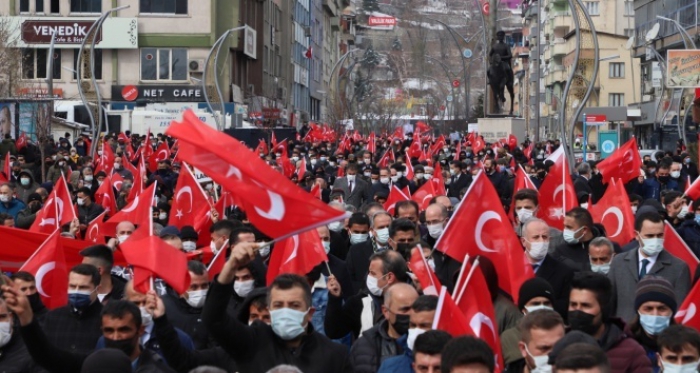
10,59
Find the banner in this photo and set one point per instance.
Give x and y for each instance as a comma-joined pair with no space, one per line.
683,68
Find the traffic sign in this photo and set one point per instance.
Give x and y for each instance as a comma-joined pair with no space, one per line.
485,7
467,53
596,118
455,83
449,98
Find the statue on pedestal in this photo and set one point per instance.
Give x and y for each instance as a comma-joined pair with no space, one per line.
500,72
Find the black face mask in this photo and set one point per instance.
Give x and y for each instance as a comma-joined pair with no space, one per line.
35,302
404,249
541,174
582,321
401,324
125,345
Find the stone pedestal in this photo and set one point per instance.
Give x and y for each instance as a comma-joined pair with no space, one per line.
494,129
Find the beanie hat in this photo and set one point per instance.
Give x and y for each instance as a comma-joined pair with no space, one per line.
108,360
34,197
533,288
188,232
655,289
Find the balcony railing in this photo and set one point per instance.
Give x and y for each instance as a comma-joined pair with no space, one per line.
687,16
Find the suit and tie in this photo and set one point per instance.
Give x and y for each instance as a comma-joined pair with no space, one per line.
559,275
356,192
458,183
626,270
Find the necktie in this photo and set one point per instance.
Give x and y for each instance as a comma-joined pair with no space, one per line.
643,271
351,186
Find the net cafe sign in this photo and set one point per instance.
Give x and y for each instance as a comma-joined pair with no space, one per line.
71,32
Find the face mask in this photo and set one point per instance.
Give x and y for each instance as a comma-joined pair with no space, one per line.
394,179
373,287
81,201
684,211
323,159
524,214
367,174
87,178
419,176
356,238
117,166
654,325
541,363
196,298
25,181
60,164
697,218
326,246
538,250
122,238
435,230
675,174
382,235
332,164
634,209
399,174
189,246
675,368
5,333
367,160
313,162
243,288
584,205
570,236
287,323
601,268
79,299
163,216
582,321
401,324
209,186
295,158
146,318
413,333
447,181
336,226
351,178
4,198
531,309
652,246
125,345
264,252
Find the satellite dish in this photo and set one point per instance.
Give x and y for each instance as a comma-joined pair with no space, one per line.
653,33
630,43
574,104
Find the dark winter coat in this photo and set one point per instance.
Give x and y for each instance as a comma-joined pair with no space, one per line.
373,348
624,353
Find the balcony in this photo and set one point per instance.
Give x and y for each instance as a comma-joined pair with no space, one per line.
331,7
547,53
559,48
335,23
562,22
530,10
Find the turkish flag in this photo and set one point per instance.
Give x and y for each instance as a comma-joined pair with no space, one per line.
688,314
674,244
161,154
105,162
415,151
388,155
281,147
439,144
615,213
217,263
479,226
426,276
693,191
623,164
21,141
316,191
409,167
512,142
189,200
424,194
288,168
449,317
301,169
262,147
297,254
395,195
48,265
104,195
275,205
522,181
152,254
137,188
557,193
422,126
398,134
474,299
478,145
138,211
273,140
57,210
116,181
371,143
437,174
95,232
458,150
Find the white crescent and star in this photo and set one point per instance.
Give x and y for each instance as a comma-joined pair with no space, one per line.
277,207
40,273
478,320
618,213
485,217
158,155
187,190
293,255
117,184
90,235
687,314
133,205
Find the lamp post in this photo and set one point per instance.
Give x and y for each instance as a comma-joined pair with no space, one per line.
93,30
216,47
689,43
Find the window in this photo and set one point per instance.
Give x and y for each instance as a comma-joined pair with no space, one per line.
616,99
629,9
163,6
34,63
39,6
86,6
629,32
24,6
617,69
164,64
55,6
592,7
86,66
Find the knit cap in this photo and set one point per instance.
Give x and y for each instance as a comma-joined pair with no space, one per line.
655,289
533,288
107,360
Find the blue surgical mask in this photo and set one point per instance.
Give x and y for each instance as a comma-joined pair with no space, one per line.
327,246
356,238
79,299
697,218
287,323
654,325
570,236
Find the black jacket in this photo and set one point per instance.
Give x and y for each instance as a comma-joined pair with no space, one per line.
56,360
340,270
75,332
576,255
340,244
375,346
358,265
559,275
458,183
256,348
186,318
14,357
86,214
346,317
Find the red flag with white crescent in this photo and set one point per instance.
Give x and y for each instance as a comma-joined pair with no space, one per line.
56,211
557,193
48,265
296,254
624,163
189,200
688,314
95,232
427,278
395,195
614,211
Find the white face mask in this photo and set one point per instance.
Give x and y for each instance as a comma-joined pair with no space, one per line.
652,246
351,178
382,235
117,166
146,318
675,368
394,179
4,198
122,238
538,250
80,201
531,309
356,238
524,214
413,333
336,226
634,209
189,246
684,211
162,216
243,288
584,205
675,174
399,174
212,246
367,174
327,246
313,161
601,268
264,251
570,236
541,363
196,298
5,333
435,230
373,287
384,180
420,176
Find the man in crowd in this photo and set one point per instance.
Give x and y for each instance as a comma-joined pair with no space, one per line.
601,251
102,258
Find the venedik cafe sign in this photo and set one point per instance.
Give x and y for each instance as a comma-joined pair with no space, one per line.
116,32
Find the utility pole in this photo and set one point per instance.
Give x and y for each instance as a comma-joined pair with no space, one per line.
538,70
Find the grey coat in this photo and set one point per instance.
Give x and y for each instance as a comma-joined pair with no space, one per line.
624,274
361,193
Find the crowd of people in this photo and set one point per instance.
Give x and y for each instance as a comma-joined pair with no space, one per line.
593,305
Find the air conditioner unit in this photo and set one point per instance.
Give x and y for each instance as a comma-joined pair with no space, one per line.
281,93
196,65
86,85
646,98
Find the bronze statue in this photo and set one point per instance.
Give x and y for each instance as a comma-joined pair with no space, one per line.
500,72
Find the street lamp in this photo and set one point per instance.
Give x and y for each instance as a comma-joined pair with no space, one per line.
682,31
96,128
